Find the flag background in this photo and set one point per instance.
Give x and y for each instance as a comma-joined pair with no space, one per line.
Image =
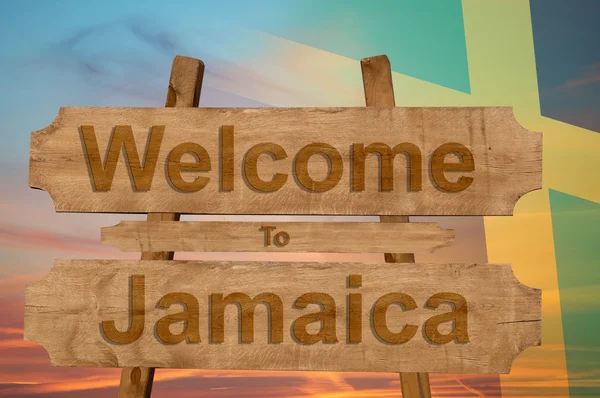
540,57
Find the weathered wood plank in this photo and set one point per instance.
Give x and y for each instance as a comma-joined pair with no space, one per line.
506,159
379,92
185,84
311,237
415,385
80,313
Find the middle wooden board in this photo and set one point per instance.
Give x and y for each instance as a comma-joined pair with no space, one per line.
312,237
375,317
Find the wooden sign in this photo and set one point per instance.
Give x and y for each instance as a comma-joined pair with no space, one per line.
313,237
294,316
355,161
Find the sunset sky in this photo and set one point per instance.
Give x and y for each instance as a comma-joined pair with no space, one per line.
541,57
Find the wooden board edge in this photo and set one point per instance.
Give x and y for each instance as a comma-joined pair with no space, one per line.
531,334
537,183
46,280
36,137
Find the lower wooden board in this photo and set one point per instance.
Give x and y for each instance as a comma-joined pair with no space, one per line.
312,237
454,318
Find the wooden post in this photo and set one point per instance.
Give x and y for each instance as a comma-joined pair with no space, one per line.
379,92
185,84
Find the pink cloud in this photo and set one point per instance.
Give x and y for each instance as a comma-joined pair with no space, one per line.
15,284
591,75
23,237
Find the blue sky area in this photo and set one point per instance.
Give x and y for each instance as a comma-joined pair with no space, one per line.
567,52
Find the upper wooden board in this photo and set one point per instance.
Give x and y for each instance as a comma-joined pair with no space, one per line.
375,317
353,161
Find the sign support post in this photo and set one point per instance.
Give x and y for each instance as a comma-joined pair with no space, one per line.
185,84
379,92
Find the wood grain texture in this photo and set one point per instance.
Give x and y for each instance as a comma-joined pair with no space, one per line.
136,382
415,385
379,92
185,84
311,237
507,160
64,311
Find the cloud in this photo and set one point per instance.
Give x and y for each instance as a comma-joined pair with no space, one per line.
14,286
126,61
589,74
13,235
40,239
16,343
130,57
6,331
